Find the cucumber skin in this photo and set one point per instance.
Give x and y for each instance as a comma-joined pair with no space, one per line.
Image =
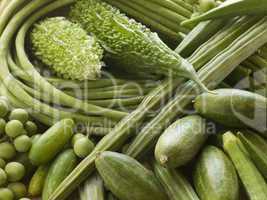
181,141
61,167
51,142
128,179
215,177
226,104
37,181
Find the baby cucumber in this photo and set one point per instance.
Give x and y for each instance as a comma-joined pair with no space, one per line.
234,108
37,181
61,167
215,177
127,179
51,142
181,141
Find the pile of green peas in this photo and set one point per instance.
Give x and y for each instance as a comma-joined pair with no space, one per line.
17,133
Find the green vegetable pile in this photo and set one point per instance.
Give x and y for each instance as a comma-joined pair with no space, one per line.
133,100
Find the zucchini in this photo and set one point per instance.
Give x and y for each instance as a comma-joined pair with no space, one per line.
256,147
175,184
180,143
251,178
215,177
61,167
51,142
37,181
127,179
234,108
93,189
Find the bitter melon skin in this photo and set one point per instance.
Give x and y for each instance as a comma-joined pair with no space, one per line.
67,49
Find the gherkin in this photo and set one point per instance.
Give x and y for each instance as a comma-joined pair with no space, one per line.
129,44
67,49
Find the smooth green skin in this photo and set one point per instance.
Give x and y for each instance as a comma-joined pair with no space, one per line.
61,167
3,177
19,114
6,194
23,158
76,137
83,147
93,189
2,163
34,138
31,128
51,142
7,151
23,143
24,199
19,189
128,179
231,8
180,143
14,128
206,5
3,108
15,171
256,147
175,184
2,126
230,106
253,181
37,181
215,177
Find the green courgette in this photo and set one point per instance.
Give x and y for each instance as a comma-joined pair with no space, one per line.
180,143
175,184
60,168
215,177
51,142
234,108
128,179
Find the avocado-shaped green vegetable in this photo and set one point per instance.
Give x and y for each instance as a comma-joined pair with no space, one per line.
215,177
181,142
51,142
3,177
19,114
129,44
7,151
6,194
19,189
15,171
234,108
127,179
67,49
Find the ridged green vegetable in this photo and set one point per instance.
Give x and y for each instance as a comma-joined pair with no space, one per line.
130,44
215,177
254,183
51,142
92,189
67,49
181,141
234,108
232,8
256,146
37,181
175,184
127,179
60,168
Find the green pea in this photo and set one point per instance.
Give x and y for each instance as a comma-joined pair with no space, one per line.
31,128
2,126
19,189
83,147
23,143
15,171
6,194
14,128
34,138
2,163
3,177
206,5
7,151
3,108
76,137
19,114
